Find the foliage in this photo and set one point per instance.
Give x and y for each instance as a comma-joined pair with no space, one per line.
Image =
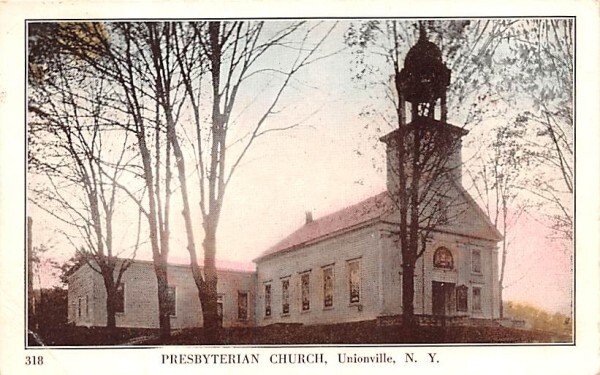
541,62
539,319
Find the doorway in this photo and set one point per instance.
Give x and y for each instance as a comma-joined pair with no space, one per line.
442,296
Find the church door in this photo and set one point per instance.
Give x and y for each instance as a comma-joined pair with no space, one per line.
442,298
438,299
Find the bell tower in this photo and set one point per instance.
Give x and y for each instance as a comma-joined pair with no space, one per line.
421,86
424,80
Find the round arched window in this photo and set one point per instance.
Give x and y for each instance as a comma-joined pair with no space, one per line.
442,258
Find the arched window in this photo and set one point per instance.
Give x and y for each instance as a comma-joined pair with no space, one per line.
442,258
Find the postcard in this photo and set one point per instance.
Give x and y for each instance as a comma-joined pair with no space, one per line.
189,188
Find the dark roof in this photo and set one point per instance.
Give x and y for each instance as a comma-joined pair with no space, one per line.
427,123
349,217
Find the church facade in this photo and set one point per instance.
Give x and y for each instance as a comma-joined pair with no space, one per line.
346,266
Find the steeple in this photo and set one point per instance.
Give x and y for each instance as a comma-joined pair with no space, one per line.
423,82
424,79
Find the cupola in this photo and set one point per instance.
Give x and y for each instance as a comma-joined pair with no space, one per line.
424,79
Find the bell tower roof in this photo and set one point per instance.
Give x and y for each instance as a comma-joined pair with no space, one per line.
424,77
426,123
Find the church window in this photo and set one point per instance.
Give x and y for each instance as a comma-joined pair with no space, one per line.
220,306
476,261
171,300
242,305
267,299
462,298
328,287
441,211
285,296
476,299
354,280
442,258
305,291
120,298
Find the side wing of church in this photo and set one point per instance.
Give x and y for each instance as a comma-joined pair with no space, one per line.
137,304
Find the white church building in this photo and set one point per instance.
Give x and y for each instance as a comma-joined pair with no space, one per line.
345,266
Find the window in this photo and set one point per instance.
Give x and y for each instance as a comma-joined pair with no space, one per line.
171,300
267,299
354,280
305,289
328,287
120,298
476,299
87,308
220,306
79,303
441,211
285,296
442,258
476,261
462,298
243,306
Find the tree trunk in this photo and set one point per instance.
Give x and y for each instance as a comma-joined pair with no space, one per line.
164,319
32,322
109,285
208,291
408,294
501,282
504,250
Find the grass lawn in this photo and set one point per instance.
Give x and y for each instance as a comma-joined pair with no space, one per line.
367,332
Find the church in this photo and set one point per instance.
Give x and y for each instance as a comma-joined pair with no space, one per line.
346,266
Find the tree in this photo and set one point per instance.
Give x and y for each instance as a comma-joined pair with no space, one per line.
539,71
30,255
79,162
115,52
499,181
528,167
229,53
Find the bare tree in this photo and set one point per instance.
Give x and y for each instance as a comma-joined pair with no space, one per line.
30,297
117,52
78,167
226,52
499,182
540,73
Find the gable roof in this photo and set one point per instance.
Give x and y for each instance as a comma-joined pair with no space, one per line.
486,229
370,209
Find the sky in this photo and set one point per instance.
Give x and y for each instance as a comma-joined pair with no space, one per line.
329,161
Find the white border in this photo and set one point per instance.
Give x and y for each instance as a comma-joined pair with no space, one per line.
583,358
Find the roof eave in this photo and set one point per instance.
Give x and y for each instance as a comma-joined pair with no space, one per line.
319,239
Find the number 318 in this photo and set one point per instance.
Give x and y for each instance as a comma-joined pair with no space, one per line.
34,360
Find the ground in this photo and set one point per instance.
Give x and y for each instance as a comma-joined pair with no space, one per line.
368,332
